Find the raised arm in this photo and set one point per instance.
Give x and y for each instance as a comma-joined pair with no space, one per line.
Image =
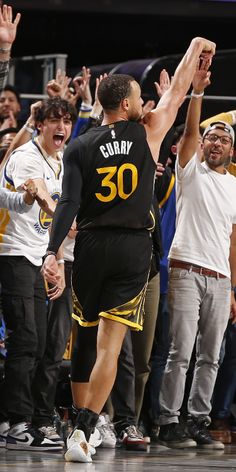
158,122
8,29
24,134
190,141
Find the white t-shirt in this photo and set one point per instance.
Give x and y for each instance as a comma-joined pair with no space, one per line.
27,234
206,211
68,249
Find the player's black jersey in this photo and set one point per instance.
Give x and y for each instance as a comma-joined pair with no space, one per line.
108,181
118,175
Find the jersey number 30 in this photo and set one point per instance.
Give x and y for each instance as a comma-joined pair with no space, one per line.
118,187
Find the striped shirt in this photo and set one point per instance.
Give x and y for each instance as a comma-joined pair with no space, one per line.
4,69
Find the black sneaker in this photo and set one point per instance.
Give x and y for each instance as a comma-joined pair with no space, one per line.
23,437
198,430
172,435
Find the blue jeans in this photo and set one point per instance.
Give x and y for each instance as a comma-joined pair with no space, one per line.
225,387
159,355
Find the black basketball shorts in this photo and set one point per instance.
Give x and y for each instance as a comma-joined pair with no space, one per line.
110,275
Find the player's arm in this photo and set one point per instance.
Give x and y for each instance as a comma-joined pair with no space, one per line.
68,205
158,121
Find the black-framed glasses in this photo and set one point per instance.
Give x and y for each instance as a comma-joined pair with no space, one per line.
214,137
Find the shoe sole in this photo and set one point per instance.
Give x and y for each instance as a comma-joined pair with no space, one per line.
211,446
108,445
136,447
24,447
58,443
173,445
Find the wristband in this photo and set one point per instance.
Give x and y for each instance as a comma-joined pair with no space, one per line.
85,107
196,95
5,50
94,116
60,261
48,253
28,128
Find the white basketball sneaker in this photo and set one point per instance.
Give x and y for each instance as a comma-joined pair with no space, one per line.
77,447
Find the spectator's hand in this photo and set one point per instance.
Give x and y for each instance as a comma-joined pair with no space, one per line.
59,87
97,107
233,308
149,105
49,269
164,83
160,169
202,75
56,291
33,109
9,122
30,191
82,86
53,275
53,88
7,26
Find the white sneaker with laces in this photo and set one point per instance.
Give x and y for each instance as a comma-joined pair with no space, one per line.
4,428
106,429
50,432
23,437
78,448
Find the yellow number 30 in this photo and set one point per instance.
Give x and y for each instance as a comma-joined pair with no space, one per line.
119,187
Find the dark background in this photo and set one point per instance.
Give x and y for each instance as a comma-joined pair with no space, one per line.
111,31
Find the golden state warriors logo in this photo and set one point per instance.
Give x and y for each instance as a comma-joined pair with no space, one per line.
44,219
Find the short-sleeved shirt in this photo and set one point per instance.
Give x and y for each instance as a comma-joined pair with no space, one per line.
27,234
206,211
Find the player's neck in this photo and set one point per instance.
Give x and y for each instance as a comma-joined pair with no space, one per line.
113,117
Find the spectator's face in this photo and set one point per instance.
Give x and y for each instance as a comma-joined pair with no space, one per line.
54,132
7,139
217,152
8,102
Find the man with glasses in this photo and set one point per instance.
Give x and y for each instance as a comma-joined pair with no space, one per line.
202,273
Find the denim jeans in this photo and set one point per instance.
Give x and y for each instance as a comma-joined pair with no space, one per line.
159,356
225,386
199,310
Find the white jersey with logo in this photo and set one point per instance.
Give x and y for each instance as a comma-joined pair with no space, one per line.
206,211
27,234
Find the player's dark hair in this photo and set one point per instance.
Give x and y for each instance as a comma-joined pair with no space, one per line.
113,89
